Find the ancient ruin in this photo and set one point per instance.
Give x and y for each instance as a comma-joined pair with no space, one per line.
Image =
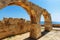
35,13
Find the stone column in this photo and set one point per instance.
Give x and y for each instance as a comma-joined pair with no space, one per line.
35,31
48,21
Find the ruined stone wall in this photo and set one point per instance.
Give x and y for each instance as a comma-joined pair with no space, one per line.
13,26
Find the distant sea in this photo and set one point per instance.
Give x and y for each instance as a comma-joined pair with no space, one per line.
52,22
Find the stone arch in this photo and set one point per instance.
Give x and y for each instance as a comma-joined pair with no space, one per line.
23,5
36,19
47,20
18,3
27,7
37,16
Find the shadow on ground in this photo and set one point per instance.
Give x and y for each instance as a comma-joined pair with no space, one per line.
43,33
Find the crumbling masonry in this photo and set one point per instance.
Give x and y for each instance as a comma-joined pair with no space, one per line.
35,13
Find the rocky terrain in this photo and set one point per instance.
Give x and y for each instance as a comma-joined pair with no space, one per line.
56,25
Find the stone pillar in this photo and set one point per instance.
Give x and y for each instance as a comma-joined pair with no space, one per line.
48,21
48,25
35,31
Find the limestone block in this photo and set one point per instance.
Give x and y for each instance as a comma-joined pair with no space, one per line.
27,27
48,27
35,31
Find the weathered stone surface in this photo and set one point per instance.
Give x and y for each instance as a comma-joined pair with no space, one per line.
35,31
18,26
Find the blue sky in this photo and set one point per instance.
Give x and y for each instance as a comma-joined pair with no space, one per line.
52,6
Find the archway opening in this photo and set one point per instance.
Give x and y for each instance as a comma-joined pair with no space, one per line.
42,20
14,12
47,21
